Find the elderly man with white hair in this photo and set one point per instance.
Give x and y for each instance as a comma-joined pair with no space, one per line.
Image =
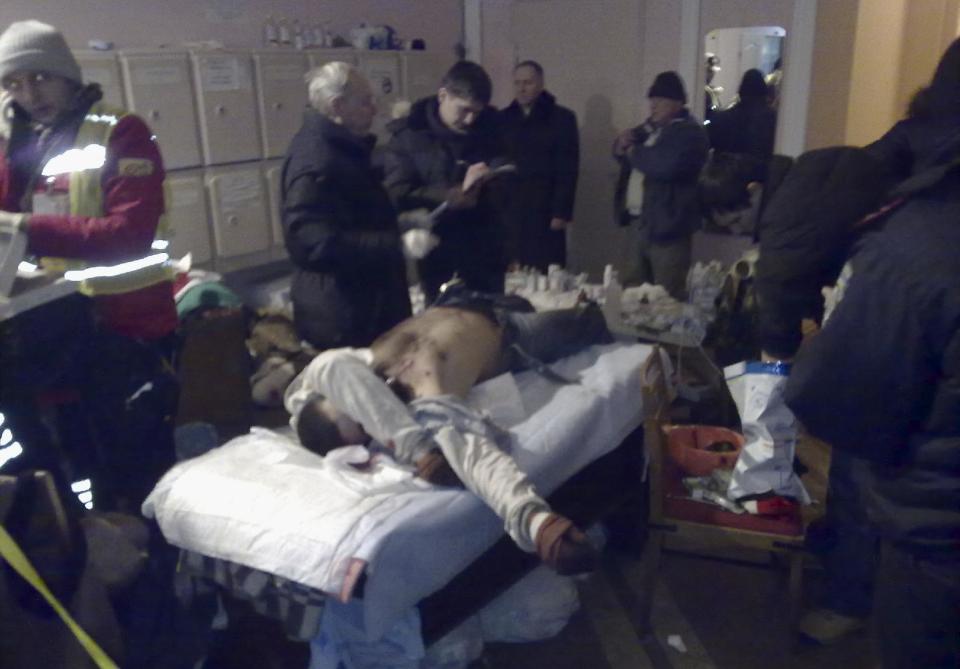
338,223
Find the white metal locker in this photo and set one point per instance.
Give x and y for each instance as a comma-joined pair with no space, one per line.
187,216
103,68
159,88
238,207
226,105
281,98
272,172
383,71
422,72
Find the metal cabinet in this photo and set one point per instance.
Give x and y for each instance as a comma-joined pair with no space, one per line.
159,88
383,70
272,172
422,72
238,208
281,98
187,216
226,106
103,68
320,57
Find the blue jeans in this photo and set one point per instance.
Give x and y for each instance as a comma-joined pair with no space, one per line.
547,336
850,554
532,339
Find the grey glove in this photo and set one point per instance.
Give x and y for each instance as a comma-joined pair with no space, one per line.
418,243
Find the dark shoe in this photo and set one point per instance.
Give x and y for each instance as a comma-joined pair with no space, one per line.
564,548
434,468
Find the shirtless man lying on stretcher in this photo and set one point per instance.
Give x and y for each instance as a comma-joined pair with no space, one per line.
432,360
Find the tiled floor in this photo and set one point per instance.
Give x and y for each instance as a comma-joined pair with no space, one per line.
727,614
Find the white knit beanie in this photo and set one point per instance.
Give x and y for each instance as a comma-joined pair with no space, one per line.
32,46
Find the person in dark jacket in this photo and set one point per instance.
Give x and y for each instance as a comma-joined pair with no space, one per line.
806,232
543,142
806,235
441,155
748,127
881,382
660,161
927,138
339,225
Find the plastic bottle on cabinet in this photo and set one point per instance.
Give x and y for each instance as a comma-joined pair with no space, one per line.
283,32
270,37
319,36
297,35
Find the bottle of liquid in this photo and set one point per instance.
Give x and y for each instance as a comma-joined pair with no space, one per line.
270,37
297,35
319,38
283,32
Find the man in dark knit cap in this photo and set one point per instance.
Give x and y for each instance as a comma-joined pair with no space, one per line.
657,190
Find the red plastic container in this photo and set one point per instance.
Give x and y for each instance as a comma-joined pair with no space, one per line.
687,447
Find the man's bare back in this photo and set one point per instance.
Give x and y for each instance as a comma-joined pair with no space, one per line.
443,351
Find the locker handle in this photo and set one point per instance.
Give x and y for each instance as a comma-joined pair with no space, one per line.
278,105
233,220
154,114
220,109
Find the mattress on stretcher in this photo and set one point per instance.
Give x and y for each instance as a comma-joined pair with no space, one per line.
411,539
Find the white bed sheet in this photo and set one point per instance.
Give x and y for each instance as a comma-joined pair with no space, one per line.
412,540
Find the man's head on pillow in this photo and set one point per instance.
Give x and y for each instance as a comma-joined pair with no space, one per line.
321,428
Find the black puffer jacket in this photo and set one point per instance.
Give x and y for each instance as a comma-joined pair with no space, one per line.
805,236
882,379
341,231
671,205
423,161
545,147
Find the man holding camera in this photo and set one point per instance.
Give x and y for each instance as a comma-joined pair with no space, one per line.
660,161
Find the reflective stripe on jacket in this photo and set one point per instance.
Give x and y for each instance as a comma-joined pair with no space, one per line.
85,161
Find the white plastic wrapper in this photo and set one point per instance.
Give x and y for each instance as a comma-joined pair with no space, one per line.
536,607
770,429
457,649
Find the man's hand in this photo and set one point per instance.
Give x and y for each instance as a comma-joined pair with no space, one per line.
557,223
457,198
11,222
623,142
475,176
434,468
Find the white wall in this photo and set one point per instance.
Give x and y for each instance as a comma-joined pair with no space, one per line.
237,23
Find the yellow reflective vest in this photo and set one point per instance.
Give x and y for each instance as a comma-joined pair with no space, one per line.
85,161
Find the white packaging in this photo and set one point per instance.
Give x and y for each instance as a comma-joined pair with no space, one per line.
537,607
769,428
